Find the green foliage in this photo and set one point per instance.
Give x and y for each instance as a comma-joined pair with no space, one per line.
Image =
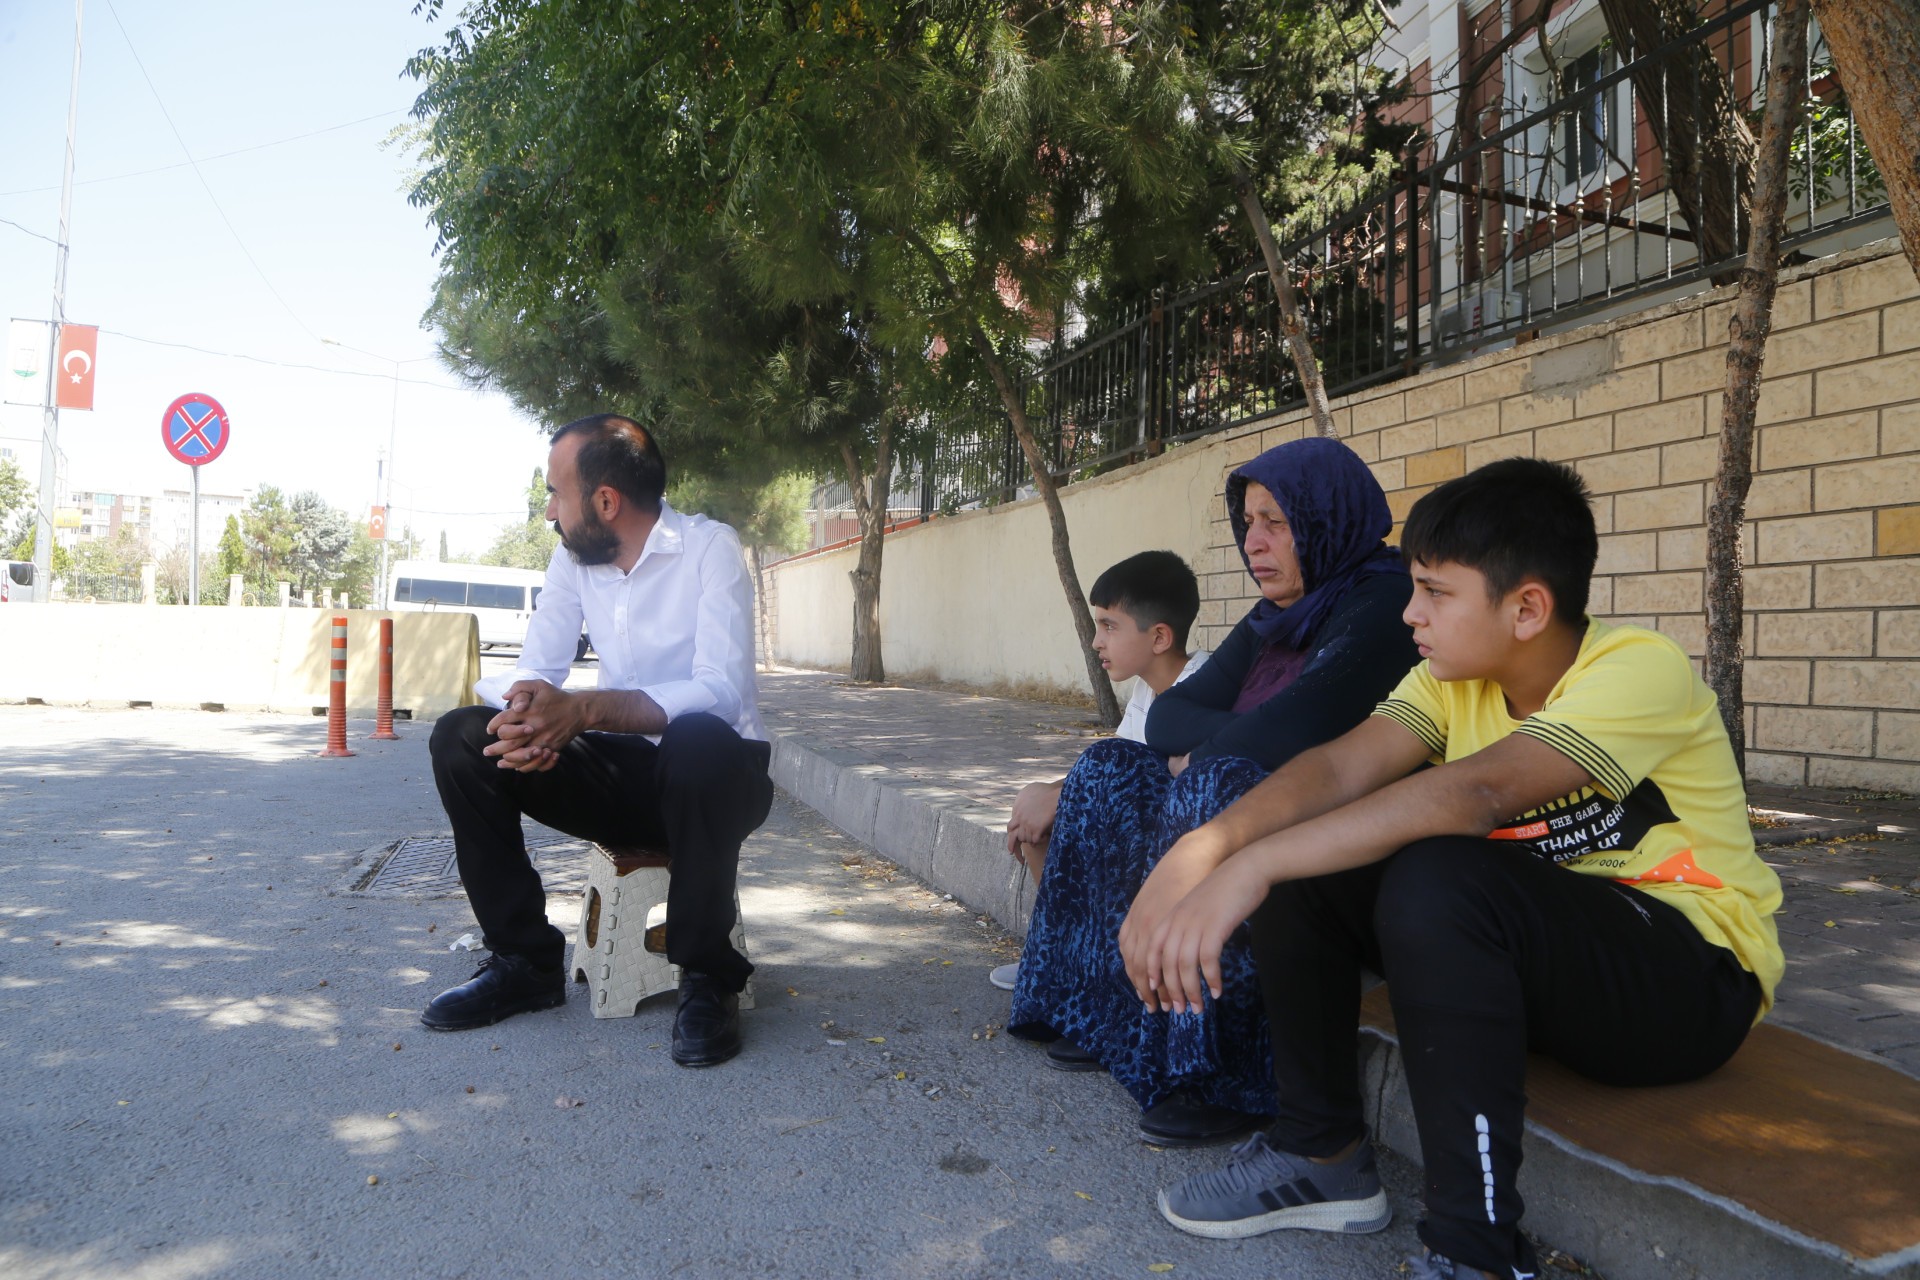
120,555
780,235
19,544
233,550
304,541
14,491
537,496
772,516
267,528
527,545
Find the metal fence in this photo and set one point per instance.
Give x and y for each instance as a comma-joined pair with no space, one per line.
111,588
1628,186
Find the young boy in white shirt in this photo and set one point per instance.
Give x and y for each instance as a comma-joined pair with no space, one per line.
1143,608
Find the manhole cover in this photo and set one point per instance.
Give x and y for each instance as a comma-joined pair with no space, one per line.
423,867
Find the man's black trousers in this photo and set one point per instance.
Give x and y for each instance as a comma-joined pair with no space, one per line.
1488,952
697,795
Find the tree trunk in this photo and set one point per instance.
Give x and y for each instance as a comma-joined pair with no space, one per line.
763,622
1746,348
1876,49
1293,327
1690,108
1103,695
871,507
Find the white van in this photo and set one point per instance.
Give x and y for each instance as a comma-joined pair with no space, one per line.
501,599
16,580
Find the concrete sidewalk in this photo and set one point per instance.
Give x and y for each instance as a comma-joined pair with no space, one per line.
926,776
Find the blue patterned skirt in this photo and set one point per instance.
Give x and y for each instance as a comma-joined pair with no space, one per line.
1120,811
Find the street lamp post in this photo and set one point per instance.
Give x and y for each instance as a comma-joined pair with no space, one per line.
384,588
386,486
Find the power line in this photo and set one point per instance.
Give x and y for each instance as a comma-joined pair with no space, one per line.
283,364
188,152
30,231
240,151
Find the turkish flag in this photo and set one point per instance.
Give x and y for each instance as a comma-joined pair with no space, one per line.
377,525
73,366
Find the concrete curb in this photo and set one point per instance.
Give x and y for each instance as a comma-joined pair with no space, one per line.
1626,1224
946,839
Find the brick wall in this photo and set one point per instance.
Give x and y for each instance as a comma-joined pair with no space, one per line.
1833,538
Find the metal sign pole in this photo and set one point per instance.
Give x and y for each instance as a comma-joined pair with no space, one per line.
50,429
193,543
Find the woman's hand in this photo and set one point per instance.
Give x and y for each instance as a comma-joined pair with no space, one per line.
1185,865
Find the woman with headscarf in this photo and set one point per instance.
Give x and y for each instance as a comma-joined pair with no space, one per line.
1322,646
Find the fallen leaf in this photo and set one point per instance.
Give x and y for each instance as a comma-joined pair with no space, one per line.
393,1115
792,992
396,1046
123,1103
1083,1195
876,1039
372,1181
1829,924
469,1088
899,1075
1160,1266
946,962
836,912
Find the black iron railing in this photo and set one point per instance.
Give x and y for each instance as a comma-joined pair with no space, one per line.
1626,187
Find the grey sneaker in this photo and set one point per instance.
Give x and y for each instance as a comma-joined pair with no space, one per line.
1260,1190
1005,976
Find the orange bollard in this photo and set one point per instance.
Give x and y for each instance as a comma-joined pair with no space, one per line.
383,709
337,693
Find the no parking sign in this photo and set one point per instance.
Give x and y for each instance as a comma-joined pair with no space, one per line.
194,429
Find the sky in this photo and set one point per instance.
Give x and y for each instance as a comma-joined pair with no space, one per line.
304,236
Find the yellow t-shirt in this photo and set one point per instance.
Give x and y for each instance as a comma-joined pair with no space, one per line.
1667,813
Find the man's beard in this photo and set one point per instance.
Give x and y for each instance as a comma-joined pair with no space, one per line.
594,542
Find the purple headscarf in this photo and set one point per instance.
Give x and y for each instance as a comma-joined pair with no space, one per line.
1339,519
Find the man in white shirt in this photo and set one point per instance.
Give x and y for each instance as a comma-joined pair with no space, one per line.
667,753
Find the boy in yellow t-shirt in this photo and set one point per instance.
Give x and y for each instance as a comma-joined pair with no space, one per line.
1574,875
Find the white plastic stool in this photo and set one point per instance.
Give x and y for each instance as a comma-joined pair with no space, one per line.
625,900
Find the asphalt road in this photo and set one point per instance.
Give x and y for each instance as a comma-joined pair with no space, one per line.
210,1063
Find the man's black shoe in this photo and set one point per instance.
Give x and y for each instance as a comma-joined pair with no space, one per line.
1066,1055
502,986
706,1030
1183,1120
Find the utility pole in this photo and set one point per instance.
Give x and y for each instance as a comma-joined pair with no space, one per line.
385,474
50,429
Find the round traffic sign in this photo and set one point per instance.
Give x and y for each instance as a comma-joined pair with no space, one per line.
195,429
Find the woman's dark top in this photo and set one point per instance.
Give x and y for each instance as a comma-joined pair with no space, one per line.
1352,663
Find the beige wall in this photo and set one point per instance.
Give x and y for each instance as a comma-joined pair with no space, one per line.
976,598
1833,540
242,659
